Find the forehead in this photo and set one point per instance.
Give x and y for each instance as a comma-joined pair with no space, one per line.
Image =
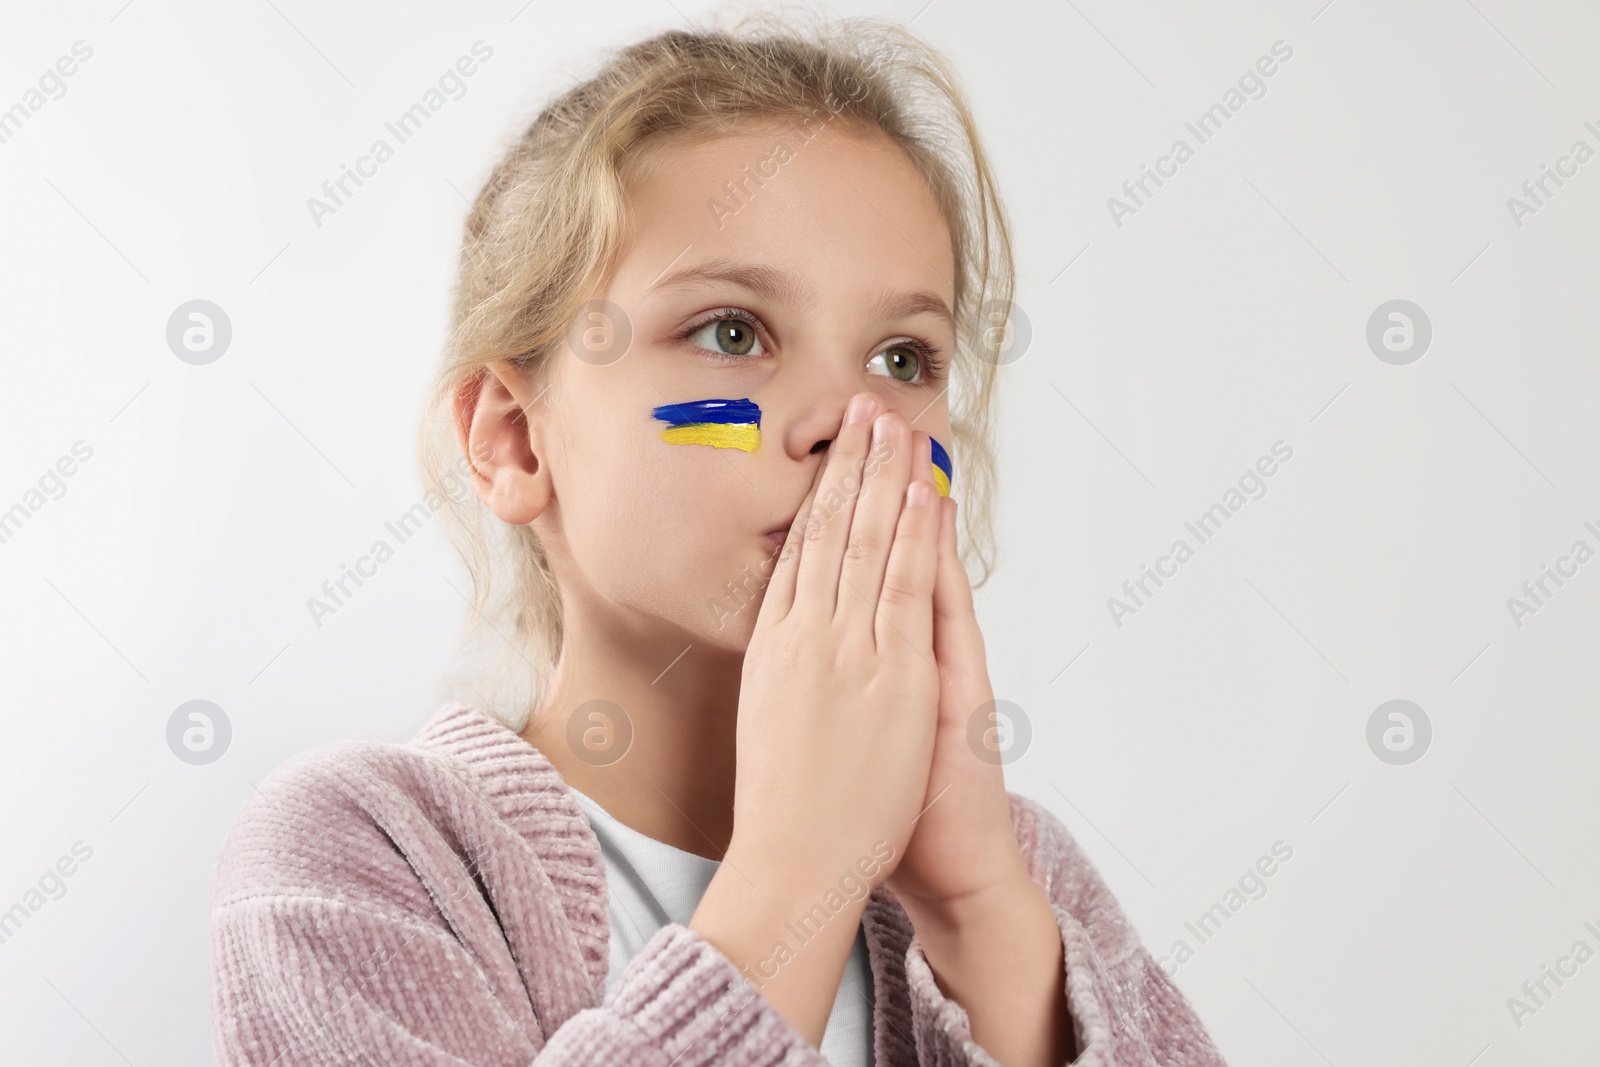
841,207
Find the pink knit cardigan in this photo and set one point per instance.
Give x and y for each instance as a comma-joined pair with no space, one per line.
443,902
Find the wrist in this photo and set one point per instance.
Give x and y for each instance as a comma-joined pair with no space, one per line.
789,942
802,874
999,954
754,904
977,913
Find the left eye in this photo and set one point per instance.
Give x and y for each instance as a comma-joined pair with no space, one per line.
729,336
901,362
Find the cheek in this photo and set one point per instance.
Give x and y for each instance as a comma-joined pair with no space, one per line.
943,466
662,527
648,521
723,423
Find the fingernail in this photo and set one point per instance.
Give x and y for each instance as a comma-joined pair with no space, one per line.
880,430
918,494
860,407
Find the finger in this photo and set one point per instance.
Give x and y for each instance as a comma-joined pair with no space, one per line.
888,470
780,591
957,640
903,622
827,527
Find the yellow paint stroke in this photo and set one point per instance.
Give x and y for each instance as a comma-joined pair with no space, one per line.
745,436
940,482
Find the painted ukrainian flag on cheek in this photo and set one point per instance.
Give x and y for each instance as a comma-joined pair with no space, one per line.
941,467
718,423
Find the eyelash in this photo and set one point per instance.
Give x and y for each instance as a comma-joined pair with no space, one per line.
933,365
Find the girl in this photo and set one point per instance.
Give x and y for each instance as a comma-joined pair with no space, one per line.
715,363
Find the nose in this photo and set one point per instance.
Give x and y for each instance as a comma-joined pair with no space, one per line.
823,416
823,371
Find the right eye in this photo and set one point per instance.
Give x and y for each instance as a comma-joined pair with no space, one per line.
729,334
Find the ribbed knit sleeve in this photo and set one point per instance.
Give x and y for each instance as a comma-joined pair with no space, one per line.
690,1007
303,981
373,904
1125,1010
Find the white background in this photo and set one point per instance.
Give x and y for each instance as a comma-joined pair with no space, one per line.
1167,354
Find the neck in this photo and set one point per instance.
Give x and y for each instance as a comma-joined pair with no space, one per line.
642,719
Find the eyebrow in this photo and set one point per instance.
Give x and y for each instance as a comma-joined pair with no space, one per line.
780,288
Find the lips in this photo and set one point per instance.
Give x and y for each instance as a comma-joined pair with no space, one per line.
778,534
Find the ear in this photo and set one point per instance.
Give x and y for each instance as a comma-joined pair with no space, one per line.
499,431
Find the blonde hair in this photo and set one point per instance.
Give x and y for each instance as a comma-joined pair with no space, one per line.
549,223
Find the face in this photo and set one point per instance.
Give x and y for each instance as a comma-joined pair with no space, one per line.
826,275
